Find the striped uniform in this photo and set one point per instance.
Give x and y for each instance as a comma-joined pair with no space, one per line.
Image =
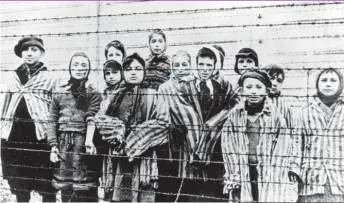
37,93
273,148
181,115
323,155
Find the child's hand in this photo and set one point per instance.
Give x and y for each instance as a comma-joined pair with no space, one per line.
90,148
54,155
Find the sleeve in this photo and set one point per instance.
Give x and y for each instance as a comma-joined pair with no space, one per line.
53,120
5,99
230,152
94,100
296,144
152,132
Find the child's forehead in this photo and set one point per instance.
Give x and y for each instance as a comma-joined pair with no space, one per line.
245,57
206,57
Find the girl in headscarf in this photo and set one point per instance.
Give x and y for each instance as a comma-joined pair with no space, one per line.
323,141
138,108
69,136
255,144
24,107
182,118
158,67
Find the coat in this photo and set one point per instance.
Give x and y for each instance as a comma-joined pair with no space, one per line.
273,152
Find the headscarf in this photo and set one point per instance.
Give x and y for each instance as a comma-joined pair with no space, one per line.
188,58
329,100
218,65
78,87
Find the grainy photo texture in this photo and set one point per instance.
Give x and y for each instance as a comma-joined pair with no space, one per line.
148,101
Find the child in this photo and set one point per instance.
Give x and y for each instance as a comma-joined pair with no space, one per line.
137,107
246,59
183,119
71,109
158,63
113,76
26,99
115,51
277,76
255,142
322,130
206,97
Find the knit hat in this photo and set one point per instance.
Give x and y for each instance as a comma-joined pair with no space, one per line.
26,42
113,65
256,74
245,53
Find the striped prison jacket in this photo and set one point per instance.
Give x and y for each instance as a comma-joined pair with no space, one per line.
273,152
323,145
37,93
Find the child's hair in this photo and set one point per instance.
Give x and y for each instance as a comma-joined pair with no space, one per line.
157,31
182,53
113,65
118,45
205,52
246,53
273,69
129,59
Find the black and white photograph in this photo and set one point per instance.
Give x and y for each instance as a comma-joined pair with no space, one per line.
172,101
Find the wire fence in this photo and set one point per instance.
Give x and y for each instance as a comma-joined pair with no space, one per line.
284,33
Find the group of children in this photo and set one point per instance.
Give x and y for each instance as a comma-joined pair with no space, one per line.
163,132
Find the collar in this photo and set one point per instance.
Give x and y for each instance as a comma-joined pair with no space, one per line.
266,109
209,85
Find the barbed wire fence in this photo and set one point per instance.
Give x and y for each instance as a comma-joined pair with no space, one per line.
303,37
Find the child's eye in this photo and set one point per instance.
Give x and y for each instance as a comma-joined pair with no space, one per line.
324,80
333,80
110,55
259,86
241,61
128,68
84,65
34,49
249,61
176,64
138,68
279,80
117,54
75,64
153,40
185,64
161,41
115,71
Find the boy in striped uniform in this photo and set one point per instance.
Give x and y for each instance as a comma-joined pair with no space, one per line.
25,113
255,143
323,141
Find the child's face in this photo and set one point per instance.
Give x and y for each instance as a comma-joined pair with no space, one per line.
79,67
134,73
328,83
254,90
157,44
181,66
277,81
114,54
31,55
205,67
112,76
245,64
